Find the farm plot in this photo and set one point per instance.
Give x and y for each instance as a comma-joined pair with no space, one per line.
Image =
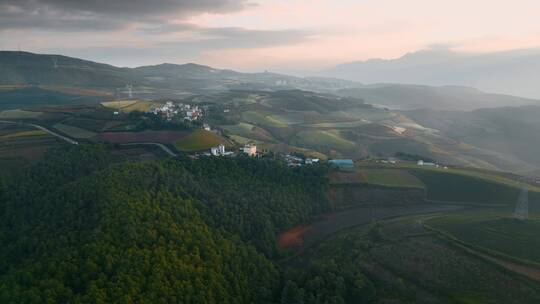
262,120
408,264
199,140
391,178
510,237
342,220
322,140
24,134
248,131
128,106
74,132
19,114
451,187
164,137
118,104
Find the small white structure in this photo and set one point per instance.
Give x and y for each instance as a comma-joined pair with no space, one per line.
423,163
218,151
207,127
116,113
311,161
250,149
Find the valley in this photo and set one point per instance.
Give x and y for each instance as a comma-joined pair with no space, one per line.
140,180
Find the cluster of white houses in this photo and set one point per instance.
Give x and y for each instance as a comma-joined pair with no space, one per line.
248,149
171,110
430,164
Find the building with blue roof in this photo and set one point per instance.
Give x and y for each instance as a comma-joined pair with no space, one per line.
342,163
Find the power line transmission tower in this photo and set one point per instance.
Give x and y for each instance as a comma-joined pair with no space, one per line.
522,206
55,62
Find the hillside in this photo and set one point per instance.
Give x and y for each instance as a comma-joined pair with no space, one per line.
511,72
510,131
22,68
175,231
407,97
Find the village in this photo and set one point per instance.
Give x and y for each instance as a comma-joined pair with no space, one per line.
171,110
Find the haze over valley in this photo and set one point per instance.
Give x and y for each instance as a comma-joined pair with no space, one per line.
234,151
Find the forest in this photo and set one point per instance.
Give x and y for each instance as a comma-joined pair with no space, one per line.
84,226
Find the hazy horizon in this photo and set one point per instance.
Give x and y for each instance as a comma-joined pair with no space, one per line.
277,35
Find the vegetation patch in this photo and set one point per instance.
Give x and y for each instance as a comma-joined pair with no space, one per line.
165,137
199,140
74,132
391,178
511,237
19,114
450,187
141,106
323,139
118,104
25,133
263,120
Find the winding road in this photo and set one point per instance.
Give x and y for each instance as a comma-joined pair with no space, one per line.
74,142
62,137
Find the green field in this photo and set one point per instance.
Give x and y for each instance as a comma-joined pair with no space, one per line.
391,178
262,120
118,104
451,187
511,237
199,140
347,124
141,106
248,131
492,176
242,129
74,132
18,114
24,134
323,140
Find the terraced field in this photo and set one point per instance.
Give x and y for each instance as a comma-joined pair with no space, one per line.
118,104
262,120
199,140
323,140
408,264
24,134
391,178
74,132
505,235
19,114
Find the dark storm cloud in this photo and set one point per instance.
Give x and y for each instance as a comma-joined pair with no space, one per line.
102,14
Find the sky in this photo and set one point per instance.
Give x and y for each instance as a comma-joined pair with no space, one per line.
256,35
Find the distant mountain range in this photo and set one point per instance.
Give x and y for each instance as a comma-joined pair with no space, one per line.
406,97
38,69
45,71
511,72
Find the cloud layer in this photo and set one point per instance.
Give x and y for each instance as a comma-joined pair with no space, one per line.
263,34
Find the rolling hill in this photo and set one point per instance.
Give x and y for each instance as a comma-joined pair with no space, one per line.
406,97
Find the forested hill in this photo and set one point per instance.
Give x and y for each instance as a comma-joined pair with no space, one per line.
81,227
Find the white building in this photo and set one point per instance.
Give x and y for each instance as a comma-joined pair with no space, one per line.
250,149
218,151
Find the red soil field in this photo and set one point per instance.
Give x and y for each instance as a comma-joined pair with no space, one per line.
292,238
164,137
